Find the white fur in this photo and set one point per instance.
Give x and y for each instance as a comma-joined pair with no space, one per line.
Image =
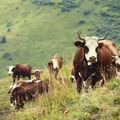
10,70
72,76
91,43
85,84
55,64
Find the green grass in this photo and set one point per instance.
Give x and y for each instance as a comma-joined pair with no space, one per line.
36,32
64,103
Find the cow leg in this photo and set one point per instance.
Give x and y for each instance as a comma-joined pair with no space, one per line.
101,82
14,80
29,77
93,82
85,83
18,77
79,84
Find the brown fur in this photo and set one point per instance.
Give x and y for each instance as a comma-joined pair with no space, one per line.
80,65
53,71
105,61
21,70
25,91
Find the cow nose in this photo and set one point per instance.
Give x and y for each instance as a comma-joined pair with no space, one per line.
92,59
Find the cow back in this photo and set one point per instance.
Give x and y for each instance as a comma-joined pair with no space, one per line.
23,69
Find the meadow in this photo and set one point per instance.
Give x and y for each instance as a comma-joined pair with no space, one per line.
64,103
35,30
32,31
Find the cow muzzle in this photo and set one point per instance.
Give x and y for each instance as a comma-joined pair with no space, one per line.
92,59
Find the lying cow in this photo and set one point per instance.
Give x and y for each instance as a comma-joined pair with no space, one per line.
54,65
24,91
20,70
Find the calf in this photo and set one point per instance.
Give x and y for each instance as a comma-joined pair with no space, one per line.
20,70
27,90
54,65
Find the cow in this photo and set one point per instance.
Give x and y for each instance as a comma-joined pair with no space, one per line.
54,65
24,91
20,70
90,57
37,74
105,60
111,46
80,64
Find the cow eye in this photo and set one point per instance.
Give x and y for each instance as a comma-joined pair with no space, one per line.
86,49
114,44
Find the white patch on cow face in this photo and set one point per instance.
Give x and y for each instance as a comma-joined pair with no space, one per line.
91,43
55,64
10,72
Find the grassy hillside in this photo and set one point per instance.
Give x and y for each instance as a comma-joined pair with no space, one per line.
31,31
64,103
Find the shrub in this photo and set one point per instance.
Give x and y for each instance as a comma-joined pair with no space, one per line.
97,2
81,22
115,7
3,40
104,14
7,56
87,12
67,5
43,2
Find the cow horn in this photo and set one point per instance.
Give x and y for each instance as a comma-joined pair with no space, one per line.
103,37
81,38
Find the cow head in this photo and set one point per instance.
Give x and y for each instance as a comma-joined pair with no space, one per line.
53,67
17,97
10,69
90,44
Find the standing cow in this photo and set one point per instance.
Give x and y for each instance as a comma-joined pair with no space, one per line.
80,66
54,65
20,70
89,58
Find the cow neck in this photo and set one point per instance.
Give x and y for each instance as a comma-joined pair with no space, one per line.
79,55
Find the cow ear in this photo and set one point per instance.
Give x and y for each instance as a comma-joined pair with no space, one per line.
77,43
49,63
100,44
86,49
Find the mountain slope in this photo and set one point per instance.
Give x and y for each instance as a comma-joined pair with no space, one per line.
35,30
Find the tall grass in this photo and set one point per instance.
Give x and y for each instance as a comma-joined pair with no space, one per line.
64,103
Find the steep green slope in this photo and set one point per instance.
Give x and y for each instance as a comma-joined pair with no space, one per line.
35,30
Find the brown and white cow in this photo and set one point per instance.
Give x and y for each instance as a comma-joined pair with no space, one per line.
92,56
110,45
105,58
54,65
80,64
24,91
20,70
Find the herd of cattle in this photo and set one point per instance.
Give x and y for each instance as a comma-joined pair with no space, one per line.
96,59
